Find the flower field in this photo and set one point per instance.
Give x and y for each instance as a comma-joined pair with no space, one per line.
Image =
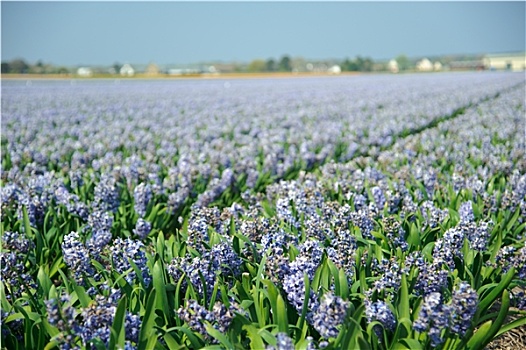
363,212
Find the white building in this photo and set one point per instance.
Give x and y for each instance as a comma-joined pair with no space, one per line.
85,72
424,65
393,66
334,69
437,66
507,61
127,70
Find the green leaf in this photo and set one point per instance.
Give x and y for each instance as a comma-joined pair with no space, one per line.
27,225
403,299
171,342
490,334
223,340
256,341
412,344
494,294
278,306
83,297
350,337
512,325
44,280
304,310
117,336
194,340
477,340
147,331
283,324
159,284
363,344
513,219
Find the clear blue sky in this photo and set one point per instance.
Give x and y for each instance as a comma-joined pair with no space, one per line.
73,33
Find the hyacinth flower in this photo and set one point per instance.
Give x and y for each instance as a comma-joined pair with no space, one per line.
389,275
284,342
436,317
142,228
142,195
106,194
304,266
124,251
379,311
197,317
62,315
91,323
329,315
202,272
77,257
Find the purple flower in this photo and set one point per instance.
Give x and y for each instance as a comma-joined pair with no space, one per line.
378,196
98,317
124,251
219,260
100,220
478,234
329,315
380,311
284,342
363,221
463,308
106,195
177,199
432,215
434,317
142,196
16,243
196,316
142,228
305,264
466,212
390,275
77,257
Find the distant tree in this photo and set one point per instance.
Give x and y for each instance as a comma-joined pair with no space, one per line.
257,66
37,68
62,70
270,65
359,64
284,64
298,64
116,67
18,66
365,64
403,62
345,64
5,67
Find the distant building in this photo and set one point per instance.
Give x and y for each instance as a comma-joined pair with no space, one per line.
437,66
393,66
334,69
506,61
183,71
467,65
85,72
424,65
127,70
152,70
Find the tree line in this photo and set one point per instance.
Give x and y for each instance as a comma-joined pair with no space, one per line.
287,64
20,66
